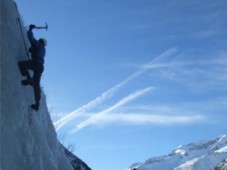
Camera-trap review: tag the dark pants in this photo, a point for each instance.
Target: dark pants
(35, 80)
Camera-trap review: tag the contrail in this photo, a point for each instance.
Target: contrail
(107, 94)
(143, 119)
(99, 115)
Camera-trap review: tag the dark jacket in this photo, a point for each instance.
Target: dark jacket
(37, 49)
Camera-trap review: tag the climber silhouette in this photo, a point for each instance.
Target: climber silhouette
(36, 64)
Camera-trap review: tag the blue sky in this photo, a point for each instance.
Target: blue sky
(127, 80)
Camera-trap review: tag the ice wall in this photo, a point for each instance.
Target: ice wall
(24, 145)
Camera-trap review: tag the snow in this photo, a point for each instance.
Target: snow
(28, 140)
(222, 165)
(203, 155)
(224, 149)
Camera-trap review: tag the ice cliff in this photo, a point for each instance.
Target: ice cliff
(28, 140)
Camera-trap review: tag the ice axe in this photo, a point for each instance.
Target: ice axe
(42, 27)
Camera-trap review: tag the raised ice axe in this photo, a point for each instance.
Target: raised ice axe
(42, 27)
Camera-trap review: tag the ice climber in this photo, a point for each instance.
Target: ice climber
(36, 64)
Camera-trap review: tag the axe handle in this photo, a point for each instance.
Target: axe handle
(41, 27)
(44, 27)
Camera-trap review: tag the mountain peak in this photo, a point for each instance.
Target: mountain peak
(206, 154)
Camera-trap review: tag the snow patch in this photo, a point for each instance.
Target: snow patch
(194, 156)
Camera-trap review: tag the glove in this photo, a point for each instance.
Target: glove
(31, 26)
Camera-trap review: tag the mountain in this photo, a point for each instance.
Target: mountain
(203, 155)
(28, 140)
(76, 162)
(222, 165)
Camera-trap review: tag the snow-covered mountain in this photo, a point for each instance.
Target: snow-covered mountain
(28, 140)
(203, 155)
(222, 165)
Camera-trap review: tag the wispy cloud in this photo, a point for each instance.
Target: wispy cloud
(181, 68)
(99, 116)
(107, 94)
(195, 72)
(156, 114)
(147, 119)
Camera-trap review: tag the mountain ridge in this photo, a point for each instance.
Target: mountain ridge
(202, 155)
